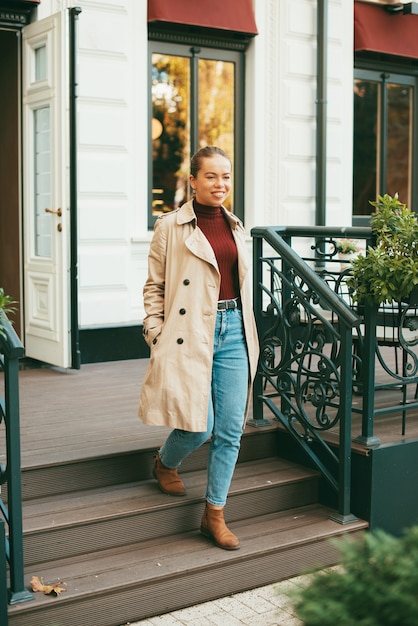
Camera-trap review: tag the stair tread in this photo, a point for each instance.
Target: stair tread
(126, 499)
(79, 445)
(152, 560)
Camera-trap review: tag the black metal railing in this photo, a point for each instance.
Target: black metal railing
(11, 351)
(309, 336)
(395, 326)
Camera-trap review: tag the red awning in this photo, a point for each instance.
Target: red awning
(235, 15)
(378, 30)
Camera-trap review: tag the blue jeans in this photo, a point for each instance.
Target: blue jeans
(227, 402)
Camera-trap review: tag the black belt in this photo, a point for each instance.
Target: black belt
(225, 305)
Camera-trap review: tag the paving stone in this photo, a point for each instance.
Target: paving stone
(274, 618)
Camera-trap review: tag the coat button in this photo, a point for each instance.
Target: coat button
(182, 311)
(180, 340)
(186, 281)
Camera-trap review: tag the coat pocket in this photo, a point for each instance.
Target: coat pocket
(151, 334)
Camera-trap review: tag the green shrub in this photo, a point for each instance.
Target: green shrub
(377, 584)
(389, 269)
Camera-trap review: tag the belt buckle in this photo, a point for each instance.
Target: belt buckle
(228, 305)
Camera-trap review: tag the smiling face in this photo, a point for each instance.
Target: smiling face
(212, 182)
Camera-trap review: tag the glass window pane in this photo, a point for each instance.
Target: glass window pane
(170, 131)
(399, 151)
(365, 149)
(42, 180)
(40, 63)
(216, 107)
(196, 100)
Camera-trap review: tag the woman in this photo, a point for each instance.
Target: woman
(200, 327)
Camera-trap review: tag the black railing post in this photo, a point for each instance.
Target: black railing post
(367, 374)
(344, 515)
(3, 577)
(17, 591)
(12, 350)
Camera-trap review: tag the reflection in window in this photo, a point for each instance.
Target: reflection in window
(216, 108)
(42, 179)
(175, 114)
(171, 131)
(399, 153)
(382, 142)
(366, 99)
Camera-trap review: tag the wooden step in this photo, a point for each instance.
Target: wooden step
(74, 524)
(126, 551)
(129, 463)
(160, 575)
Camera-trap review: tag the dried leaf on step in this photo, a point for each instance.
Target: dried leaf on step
(38, 585)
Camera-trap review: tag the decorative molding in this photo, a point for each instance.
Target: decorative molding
(15, 17)
(198, 38)
(393, 65)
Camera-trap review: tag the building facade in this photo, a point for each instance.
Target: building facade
(107, 99)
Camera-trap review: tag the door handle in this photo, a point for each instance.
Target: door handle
(54, 211)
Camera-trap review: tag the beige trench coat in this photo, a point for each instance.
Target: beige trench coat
(180, 300)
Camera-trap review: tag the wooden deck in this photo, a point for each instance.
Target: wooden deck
(68, 415)
(71, 414)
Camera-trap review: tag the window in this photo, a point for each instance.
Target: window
(42, 180)
(40, 63)
(385, 129)
(196, 99)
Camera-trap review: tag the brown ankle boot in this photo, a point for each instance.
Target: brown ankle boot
(213, 526)
(168, 479)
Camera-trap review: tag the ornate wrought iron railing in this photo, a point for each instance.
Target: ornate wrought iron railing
(309, 336)
(389, 326)
(11, 351)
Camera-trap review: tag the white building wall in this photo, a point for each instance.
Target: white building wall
(340, 113)
(281, 114)
(280, 137)
(112, 131)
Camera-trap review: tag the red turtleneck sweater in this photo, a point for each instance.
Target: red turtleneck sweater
(216, 229)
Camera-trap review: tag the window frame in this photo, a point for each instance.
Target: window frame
(234, 54)
(384, 71)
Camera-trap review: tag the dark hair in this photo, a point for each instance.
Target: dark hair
(207, 151)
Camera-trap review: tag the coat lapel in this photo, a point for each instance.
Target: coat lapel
(200, 247)
(196, 242)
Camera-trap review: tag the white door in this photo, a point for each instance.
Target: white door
(45, 194)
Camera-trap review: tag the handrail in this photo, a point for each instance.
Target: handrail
(271, 236)
(336, 232)
(306, 338)
(11, 350)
